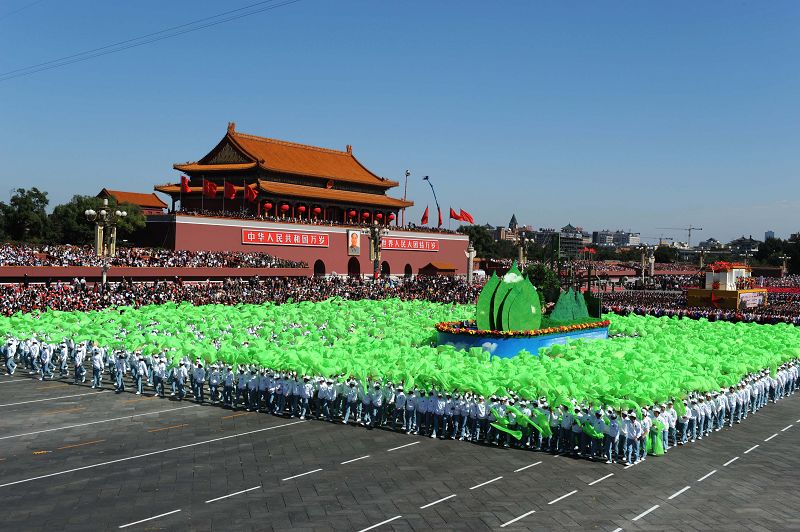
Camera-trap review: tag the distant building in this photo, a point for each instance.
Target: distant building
(505, 233)
(513, 225)
(768, 235)
(743, 245)
(794, 237)
(604, 238)
(624, 239)
(571, 239)
(711, 243)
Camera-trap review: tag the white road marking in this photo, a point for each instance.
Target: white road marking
(401, 447)
(232, 494)
(517, 519)
(145, 455)
(527, 466)
(701, 479)
(54, 398)
(96, 422)
(644, 513)
(771, 437)
(678, 493)
(437, 502)
(601, 479)
(381, 523)
(487, 482)
(751, 449)
(15, 380)
(354, 459)
(784, 429)
(573, 492)
(150, 518)
(732, 460)
(302, 474)
(618, 529)
(628, 466)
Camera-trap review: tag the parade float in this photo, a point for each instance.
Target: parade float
(727, 285)
(509, 320)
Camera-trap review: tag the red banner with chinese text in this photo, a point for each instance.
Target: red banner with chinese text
(409, 244)
(285, 238)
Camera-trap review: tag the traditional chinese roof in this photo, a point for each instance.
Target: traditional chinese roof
(325, 194)
(146, 201)
(240, 151)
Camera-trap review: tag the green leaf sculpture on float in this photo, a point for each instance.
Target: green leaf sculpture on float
(571, 306)
(510, 304)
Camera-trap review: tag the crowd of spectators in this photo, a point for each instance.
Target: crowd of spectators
(79, 295)
(66, 255)
(308, 220)
(782, 308)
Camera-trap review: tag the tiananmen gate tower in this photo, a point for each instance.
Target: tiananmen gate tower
(297, 202)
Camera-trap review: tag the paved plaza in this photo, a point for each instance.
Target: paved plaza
(73, 458)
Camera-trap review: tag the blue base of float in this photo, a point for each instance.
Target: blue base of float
(510, 347)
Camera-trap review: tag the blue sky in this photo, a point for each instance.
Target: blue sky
(633, 115)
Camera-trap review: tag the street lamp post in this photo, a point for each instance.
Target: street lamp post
(105, 232)
(376, 233)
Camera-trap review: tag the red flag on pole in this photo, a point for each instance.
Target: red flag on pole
(440, 216)
(209, 189)
(251, 193)
(467, 217)
(424, 220)
(454, 215)
(185, 185)
(230, 191)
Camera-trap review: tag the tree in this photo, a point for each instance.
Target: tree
(505, 249)
(70, 226)
(545, 280)
(666, 254)
(3, 233)
(25, 217)
(481, 240)
(770, 250)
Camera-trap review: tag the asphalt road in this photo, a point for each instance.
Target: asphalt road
(73, 458)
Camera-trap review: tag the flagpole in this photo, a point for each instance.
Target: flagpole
(405, 191)
(435, 199)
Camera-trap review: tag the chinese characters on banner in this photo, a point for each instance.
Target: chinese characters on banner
(409, 244)
(285, 238)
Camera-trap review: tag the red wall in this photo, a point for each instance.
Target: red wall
(222, 234)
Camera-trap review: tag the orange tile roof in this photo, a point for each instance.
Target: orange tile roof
(293, 158)
(443, 266)
(325, 194)
(195, 167)
(150, 200)
(175, 189)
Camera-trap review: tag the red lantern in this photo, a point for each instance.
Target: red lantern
(317, 210)
(391, 217)
(301, 209)
(365, 214)
(379, 216)
(284, 207)
(352, 214)
(268, 205)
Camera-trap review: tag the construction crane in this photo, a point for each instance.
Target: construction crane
(687, 229)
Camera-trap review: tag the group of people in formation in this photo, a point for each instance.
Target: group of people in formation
(587, 430)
